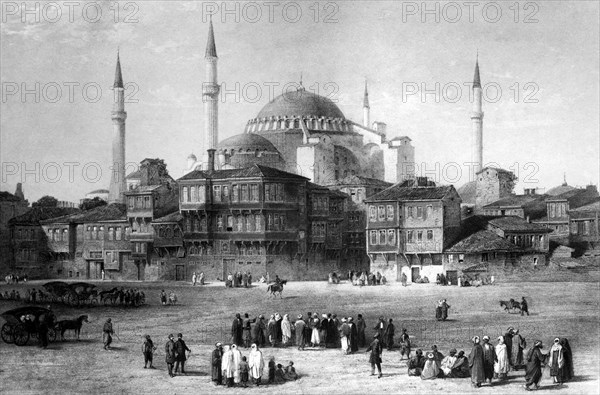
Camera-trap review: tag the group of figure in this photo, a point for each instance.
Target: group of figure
(366, 278)
(131, 297)
(13, 295)
(170, 299)
(231, 368)
(238, 280)
(198, 278)
(15, 279)
(176, 353)
(441, 310)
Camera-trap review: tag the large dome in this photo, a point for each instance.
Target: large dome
(301, 103)
(247, 142)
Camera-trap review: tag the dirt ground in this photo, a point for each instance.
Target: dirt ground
(204, 316)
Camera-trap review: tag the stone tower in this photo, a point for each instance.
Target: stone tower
(477, 124)
(210, 96)
(366, 109)
(117, 180)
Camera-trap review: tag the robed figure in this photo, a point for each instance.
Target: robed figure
(476, 363)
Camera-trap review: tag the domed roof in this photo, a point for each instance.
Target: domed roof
(301, 103)
(192, 156)
(247, 141)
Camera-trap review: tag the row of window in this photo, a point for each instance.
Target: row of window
(58, 234)
(319, 229)
(139, 202)
(583, 227)
(383, 237)
(388, 237)
(273, 192)
(381, 213)
(557, 210)
(26, 254)
(320, 203)
(526, 240)
(225, 248)
(168, 232)
(113, 233)
(421, 212)
(24, 234)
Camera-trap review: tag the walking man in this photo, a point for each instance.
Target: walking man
(524, 307)
(476, 363)
(170, 354)
(535, 360)
(489, 358)
(361, 326)
(148, 349)
(107, 332)
(237, 330)
(405, 344)
(389, 335)
(375, 357)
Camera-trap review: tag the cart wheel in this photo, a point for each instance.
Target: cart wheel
(52, 335)
(20, 335)
(7, 334)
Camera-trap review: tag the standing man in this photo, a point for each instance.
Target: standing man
(489, 358)
(45, 322)
(476, 363)
(148, 349)
(215, 362)
(508, 341)
(353, 335)
(170, 354)
(300, 326)
(361, 326)
(405, 344)
(518, 345)
(107, 332)
(180, 350)
(389, 335)
(403, 279)
(535, 360)
(246, 324)
(194, 279)
(445, 306)
(245, 280)
(524, 307)
(237, 330)
(375, 358)
(345, 336)
(380, 328)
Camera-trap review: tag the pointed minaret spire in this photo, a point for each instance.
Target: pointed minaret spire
(366, 108)
(477, 123)
(211, 48)
(118, 76)
(210, 96)
(366, 97)
(565, 179)
(476, 79)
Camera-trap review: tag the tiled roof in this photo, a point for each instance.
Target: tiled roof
(134, 174)
(398, 192)
(513, 200)
(499, 170)
(248, 172)
(483, 241)
(358, 180)
(595, 206)
(37, 215)
(110, 212)
(516, 224)
(172, 217)
(559, 190)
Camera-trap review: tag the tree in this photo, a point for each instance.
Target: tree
(88, 204)
(46, 201)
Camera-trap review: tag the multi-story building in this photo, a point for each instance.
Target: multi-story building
(29, 243)
(11, 206)
(559, 206)
(408, 229)
(584, 225)
(529, 206)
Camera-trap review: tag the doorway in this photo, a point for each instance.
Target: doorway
(452, 277)
(415, 273)
(179, 273)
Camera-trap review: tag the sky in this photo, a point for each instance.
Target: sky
(539, 66)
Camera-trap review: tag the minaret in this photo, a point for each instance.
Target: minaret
(210, 94)
(477, 122)
(117, 180)
(366, 108)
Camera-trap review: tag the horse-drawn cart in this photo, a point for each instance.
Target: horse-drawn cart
(22, 323)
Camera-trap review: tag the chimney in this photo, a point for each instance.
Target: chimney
(211, 160)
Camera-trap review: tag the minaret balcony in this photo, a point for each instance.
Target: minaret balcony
(210, 89)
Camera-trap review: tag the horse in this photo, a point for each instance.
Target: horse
(510, 305)
(73, 325)
(276, 288)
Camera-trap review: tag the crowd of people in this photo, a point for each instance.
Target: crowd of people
(238, 280)
(366, 278)
(12, 295)
(230, 368)
(170, 299)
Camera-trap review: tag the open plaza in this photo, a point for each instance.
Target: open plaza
(204, 315)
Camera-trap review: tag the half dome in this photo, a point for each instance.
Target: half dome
(247, 141)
